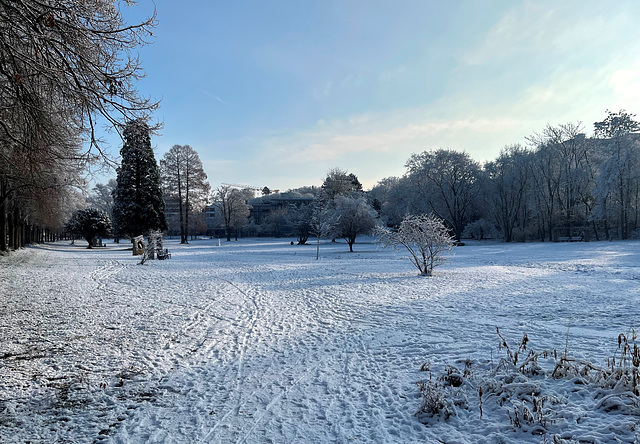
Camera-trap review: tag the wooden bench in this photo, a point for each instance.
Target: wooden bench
(569, 238)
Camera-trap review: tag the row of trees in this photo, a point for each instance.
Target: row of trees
(64, 67)
(136, 200)
(564, 184)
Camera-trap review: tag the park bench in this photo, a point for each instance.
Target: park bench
(569, 238)
(164, 254)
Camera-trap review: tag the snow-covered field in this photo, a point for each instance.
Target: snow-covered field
(256, 341)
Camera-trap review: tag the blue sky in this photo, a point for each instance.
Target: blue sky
(275, 93)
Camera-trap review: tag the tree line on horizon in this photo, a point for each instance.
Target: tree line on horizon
(67, 67)
(563, 185)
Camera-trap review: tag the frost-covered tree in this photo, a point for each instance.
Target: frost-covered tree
(562, 177)
(353, 216)
(138, 205)
(447, 181)
(618, 183)
(425, 237)
(378, 196)
(299, 218)
(507, 185)
(402, 199)
(101, 196)
(185, 182)
(89, 223)
(322, 224)
(338, 183)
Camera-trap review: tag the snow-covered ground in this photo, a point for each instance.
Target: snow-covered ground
(256, 341)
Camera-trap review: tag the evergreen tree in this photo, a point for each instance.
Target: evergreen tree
(89, 223)
(138, 205)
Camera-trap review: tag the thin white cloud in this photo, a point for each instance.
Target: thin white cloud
(384, 141)
(213, 96)
(528, 24)
(571, 62)
(550, 28)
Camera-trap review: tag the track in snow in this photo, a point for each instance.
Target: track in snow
(258, 341)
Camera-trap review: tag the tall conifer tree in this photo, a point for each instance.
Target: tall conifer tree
(138, 205)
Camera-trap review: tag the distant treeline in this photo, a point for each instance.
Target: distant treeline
(563, 186)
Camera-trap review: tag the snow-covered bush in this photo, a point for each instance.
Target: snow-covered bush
(424, 236)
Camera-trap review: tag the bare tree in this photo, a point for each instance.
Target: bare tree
(232, 207)
(74, 55)
(448, 181)
(508, 182)
(64, 65)
(424, 236)
(185, 181)
(562, 177)
(322, 224)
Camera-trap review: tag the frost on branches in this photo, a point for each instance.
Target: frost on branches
(424, 236)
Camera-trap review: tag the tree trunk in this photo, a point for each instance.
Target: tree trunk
(186, 215)
(21, 234)
(183, 236)
(13, 232)
(3, 224)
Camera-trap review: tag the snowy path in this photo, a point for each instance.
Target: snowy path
(257, 342)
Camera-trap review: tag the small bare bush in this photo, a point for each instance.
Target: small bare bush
(424, 236)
